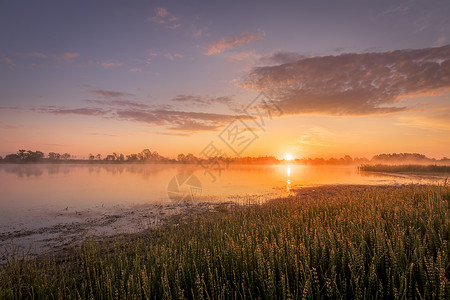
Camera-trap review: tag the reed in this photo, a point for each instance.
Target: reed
(351, 243)
(406, 168)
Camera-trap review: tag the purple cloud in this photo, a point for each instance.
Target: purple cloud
(110, 94)
(353, 84)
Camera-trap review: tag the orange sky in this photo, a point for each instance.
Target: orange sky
(300, 135)
(356, 78)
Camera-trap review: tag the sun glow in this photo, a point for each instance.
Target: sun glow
(288, 156)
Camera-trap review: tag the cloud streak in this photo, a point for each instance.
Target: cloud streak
(131, 111)
(281, 57)
(69, 55)
(118, 102)
(11, 64)
(231, 42)
(164, 17)
(33, 54)
(110, 64)
(85, 111)
(353, 84)
(110, 94)
(171, 56)
(197, 100)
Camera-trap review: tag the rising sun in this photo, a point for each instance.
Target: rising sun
(288, 156)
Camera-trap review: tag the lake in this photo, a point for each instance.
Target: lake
(45, 201)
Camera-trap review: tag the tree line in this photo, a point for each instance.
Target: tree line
(33, 156)
(147, 156)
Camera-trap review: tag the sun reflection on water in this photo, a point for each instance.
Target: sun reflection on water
(288, 181)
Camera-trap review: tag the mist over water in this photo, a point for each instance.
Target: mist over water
(47, 205)
(83, 186)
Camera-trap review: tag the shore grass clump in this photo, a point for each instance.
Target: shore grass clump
(444, 169)
(326, 243)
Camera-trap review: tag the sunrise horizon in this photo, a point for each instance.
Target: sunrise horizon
(251, 149)
(180, 78)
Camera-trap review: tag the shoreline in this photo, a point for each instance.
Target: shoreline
(76, 226)
(314, 241)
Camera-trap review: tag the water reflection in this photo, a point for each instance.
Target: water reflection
(86, 185)
(144, 170)
(35, 193)
(288, 181)
(22, 170)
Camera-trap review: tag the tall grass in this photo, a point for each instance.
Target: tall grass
(406, 168)
(359, 243)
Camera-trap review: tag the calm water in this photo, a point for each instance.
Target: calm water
(42, 202)
(25, 187)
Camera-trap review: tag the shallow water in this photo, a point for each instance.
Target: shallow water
(41, 201)
(27, 187)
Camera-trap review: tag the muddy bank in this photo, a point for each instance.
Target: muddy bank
(57, 230)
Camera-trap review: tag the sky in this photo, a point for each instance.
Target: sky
(238, 78)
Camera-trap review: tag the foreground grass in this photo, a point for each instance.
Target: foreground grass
(348, 242)
(406, 168)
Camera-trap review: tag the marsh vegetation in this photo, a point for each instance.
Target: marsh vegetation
(325, 243)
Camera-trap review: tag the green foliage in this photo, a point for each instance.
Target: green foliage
(351, 243)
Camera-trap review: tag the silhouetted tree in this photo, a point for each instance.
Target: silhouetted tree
(145, 155)
(132, 157)
(110, 157)
(116, 156)
(348, 159)
(400, 157)
(12, 158)
(191, 159)
(22, 154)
(65, 156)
(31, 156)
(361, 160)
(91, 156)
(333, 161)
(181, 158)
(54, 156)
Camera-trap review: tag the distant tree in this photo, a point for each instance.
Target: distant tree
(116, 156)
(30, 156)
(145, 154)
(181, 158)
(22, 154)
(191, 159)
(332, 161)
(54, 156)
(91, 156)
(12, 158)
(132, 157)
(361, 160)
(155, 157)
(98, 156)
(348, 159)
(110, 157)
(121, 157)
(65, 156)
(400, 157)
